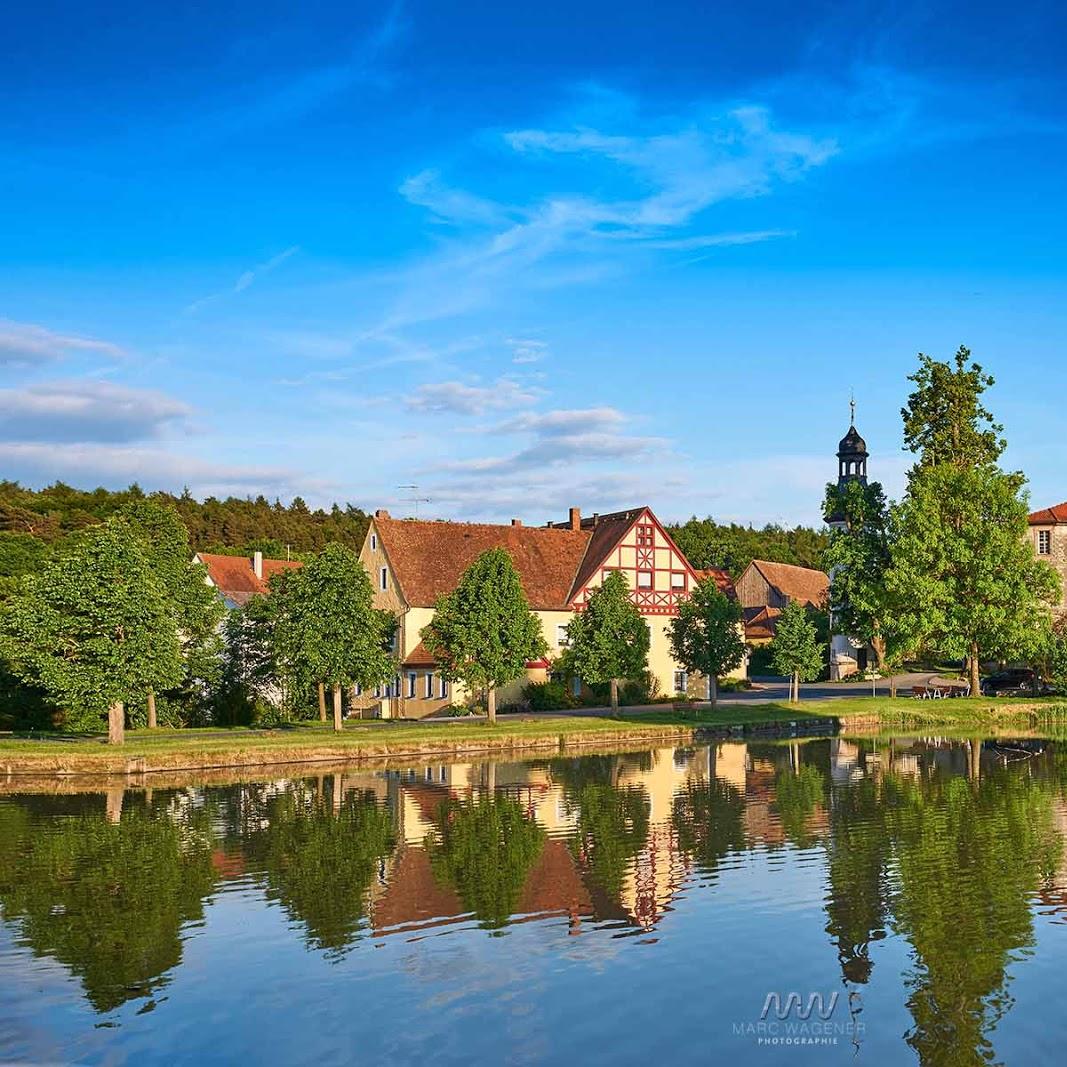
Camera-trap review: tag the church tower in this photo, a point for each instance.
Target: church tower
(852, 454)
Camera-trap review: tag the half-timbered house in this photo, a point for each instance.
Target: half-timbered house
(412, 562)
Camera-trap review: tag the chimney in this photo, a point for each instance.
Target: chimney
(576, 518)
(381, 513)
(516, 522)
(257, 564)
(596, 517)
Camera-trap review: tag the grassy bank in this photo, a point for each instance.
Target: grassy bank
(160, 750)
(173, 750)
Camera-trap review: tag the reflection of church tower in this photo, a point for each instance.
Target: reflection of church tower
(847, 656)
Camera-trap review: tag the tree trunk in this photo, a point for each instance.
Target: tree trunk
(322, 702)
(975, 679)
(113, 804)
(974, 759)
(490, 703)
(796, 687)
(892, 686)
(615, 697)
(713, 690)
(878, 644)
(151, 709)
(336, 794)
(337, 707)
(116, 723)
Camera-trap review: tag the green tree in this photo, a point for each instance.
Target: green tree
(945, 420)
(196, 605)
(962, 563)
(249, 668)
(326, 627)
(706, 634)
(609, 639)
(483, 633)
(484, 848)
(795, 649)
(93, 628)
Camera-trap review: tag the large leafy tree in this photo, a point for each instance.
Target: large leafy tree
(326, 628)
(609, 639)
(945, 420)
(795, 650)
(706, 634)
(483, 633)
(93, 628)
(858, 559)
(197, 608)
(962, 563)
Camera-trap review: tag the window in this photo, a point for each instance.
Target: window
(374, 542)
(562, 640)
(681, 682)
(383, 579)
(429, 685)
(357, 690)
(645, 538)
(644, 579)
(443, 691)
(1044, 542)
(412, 683)
(576, 686)
(678, 580)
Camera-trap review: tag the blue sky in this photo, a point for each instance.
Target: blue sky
(523, 257)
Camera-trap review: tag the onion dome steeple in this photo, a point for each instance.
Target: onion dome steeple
(852, 453)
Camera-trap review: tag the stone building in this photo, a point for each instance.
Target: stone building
(1048, 533)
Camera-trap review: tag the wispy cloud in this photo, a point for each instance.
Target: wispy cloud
(244, 280)
(459, 398)
(24, 344)
(527, 350)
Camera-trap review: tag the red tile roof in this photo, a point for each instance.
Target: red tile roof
(761, 623)
(722, 580)
(802, 584)
(234, 577)
(428, 558)
(1049, 516)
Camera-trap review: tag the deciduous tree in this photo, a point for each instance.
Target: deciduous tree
(608, 639)
(326, 628)
(93, 628)
(483, 633)
(706, 634)
(795, 649)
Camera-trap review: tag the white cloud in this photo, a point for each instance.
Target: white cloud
(25, 344)
(458, 398)
(84, 410)
(719, 240)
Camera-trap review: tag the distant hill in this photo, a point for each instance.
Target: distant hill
(32, 521)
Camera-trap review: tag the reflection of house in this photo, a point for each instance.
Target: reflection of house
(239, 578)
(412, 563)
(1048, 531)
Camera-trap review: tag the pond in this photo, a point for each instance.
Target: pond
(825, 901)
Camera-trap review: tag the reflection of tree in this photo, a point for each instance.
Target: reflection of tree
(970, 856)
(611, 821)
(319, 861)
(857, 853)
(106, 899)
(484, 848)
(797, 794)
(709, 820)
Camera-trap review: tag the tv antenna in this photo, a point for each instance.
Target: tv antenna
(415, 500)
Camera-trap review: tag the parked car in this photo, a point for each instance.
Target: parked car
(1016, 681)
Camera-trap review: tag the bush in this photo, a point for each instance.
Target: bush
(734, 685)
(548, 696)
(268, 716)
(643, 690)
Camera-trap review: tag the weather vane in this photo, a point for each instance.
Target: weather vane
(851, 408)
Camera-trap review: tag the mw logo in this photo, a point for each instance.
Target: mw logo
(794, 1001)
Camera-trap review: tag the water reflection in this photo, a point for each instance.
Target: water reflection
(947, 848)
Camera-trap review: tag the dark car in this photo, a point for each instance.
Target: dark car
(1015, 680)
